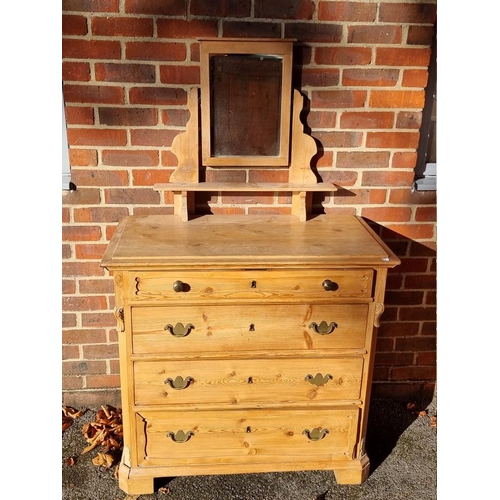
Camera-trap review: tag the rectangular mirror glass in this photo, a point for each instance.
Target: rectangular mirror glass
(245, 102)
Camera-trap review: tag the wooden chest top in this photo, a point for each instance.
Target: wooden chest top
(153, 242)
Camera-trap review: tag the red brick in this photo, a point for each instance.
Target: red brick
(68, 320)
(100, 177)
(421, 282)
(79, 115)
(363, 159)
(96, 286)
(242, 29)
(82, 367)
(182, 75)
(155, 51)
(181, 28)
(418, 13)
(390, 214)
(132, 196)
(134, 117)
(81, 233)
(404, 160)
(264, 176)
(153, 210)
(83, 157)
(420, 35)
(90, 49)
(325, 159)
(121, 72)
(70, 352)
(393, 358)
(150, 177)
(399, 140)
(385, 56)
(416, 344)
(68, 286)
(420, 250)
(413, 231)
(82, 269)
(347, 11)
(339, 139)
(404, 298)
(72, 383)
(429, 328)
(409, 197)
(343, 55)
(314, 32)
(91, 5)
(361, 196)
(130, 157)
(74, 25)
(66, 251)
(338, 99)
(175, 117)
(413, 265)
(398, 329)
(122, 26)
(383, 77)
(415, 78)
(93, 94)
(152, 137)
(371, 178)
(158, 96)
(90, 252)
(253, 198)
(340, 178)
(225, 8)
(385, 345)
(426, 214)
(413, 373)
(409, 119)
(324, 77)
(157, 7)
(426, 358)
(88, 336)
(225, 175)
(376, 34)
(75, 71)
(321, 119)
(285, 9)
(83, 196)
(102, 381)
(86, 303)
(397, 99)
(97, 137)
(367, 119)
(99, 214)
(100, 319)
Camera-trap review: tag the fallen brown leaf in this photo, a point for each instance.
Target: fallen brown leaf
(70, 461)
(423, 413)
(434, 421)
(69, 415)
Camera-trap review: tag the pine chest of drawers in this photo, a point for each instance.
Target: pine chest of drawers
(246, 343)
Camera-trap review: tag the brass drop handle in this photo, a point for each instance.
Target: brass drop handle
(179, 383)
(318, 379)
(180, 436)
(179, 330)
(324, 328)
(178, 286)
(330, 286)
(317, 434)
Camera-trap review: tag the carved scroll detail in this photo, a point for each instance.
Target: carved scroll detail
(120, 318)
(379, 309)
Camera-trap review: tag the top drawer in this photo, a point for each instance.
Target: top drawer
(191, 286)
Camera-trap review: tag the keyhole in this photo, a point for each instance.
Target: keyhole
(249, 429)
(254, 284)
(252, 328)
(250, 380)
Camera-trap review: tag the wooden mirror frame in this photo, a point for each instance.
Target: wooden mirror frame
(281, 48)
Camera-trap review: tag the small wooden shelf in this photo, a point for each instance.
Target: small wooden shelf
(298, 190)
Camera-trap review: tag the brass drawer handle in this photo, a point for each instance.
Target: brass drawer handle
(324, 328)
(316, 434)
(318, 379)
(178, 286)
(330, 286)
(180, 436)
(179, 383)
(179, 330)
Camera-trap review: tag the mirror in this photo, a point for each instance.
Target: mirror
(245, 102)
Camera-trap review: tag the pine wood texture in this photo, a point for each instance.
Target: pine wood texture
(246, 344)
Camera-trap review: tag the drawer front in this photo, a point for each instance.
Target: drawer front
(243, 437)
(258, 381)
(259, 285)
(222, 329)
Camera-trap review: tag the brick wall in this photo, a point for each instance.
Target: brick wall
(363, 66)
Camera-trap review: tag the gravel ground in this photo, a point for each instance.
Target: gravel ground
(402, 447)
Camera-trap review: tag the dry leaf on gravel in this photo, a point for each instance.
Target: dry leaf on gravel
(69, 415)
